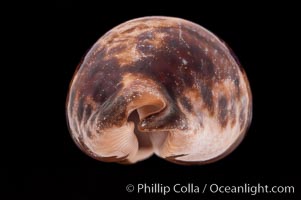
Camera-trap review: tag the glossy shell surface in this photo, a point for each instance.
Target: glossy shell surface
(159, 85)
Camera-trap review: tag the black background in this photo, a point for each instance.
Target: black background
(48, 164)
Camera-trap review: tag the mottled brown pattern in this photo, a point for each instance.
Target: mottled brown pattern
(174, 54)
(186, 103)
(223, 111)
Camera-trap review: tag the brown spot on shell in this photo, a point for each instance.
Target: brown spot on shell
(223, 111)
(113, 112)
(206, 93)
(186, 103)
(242, 118)
(233, 112)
